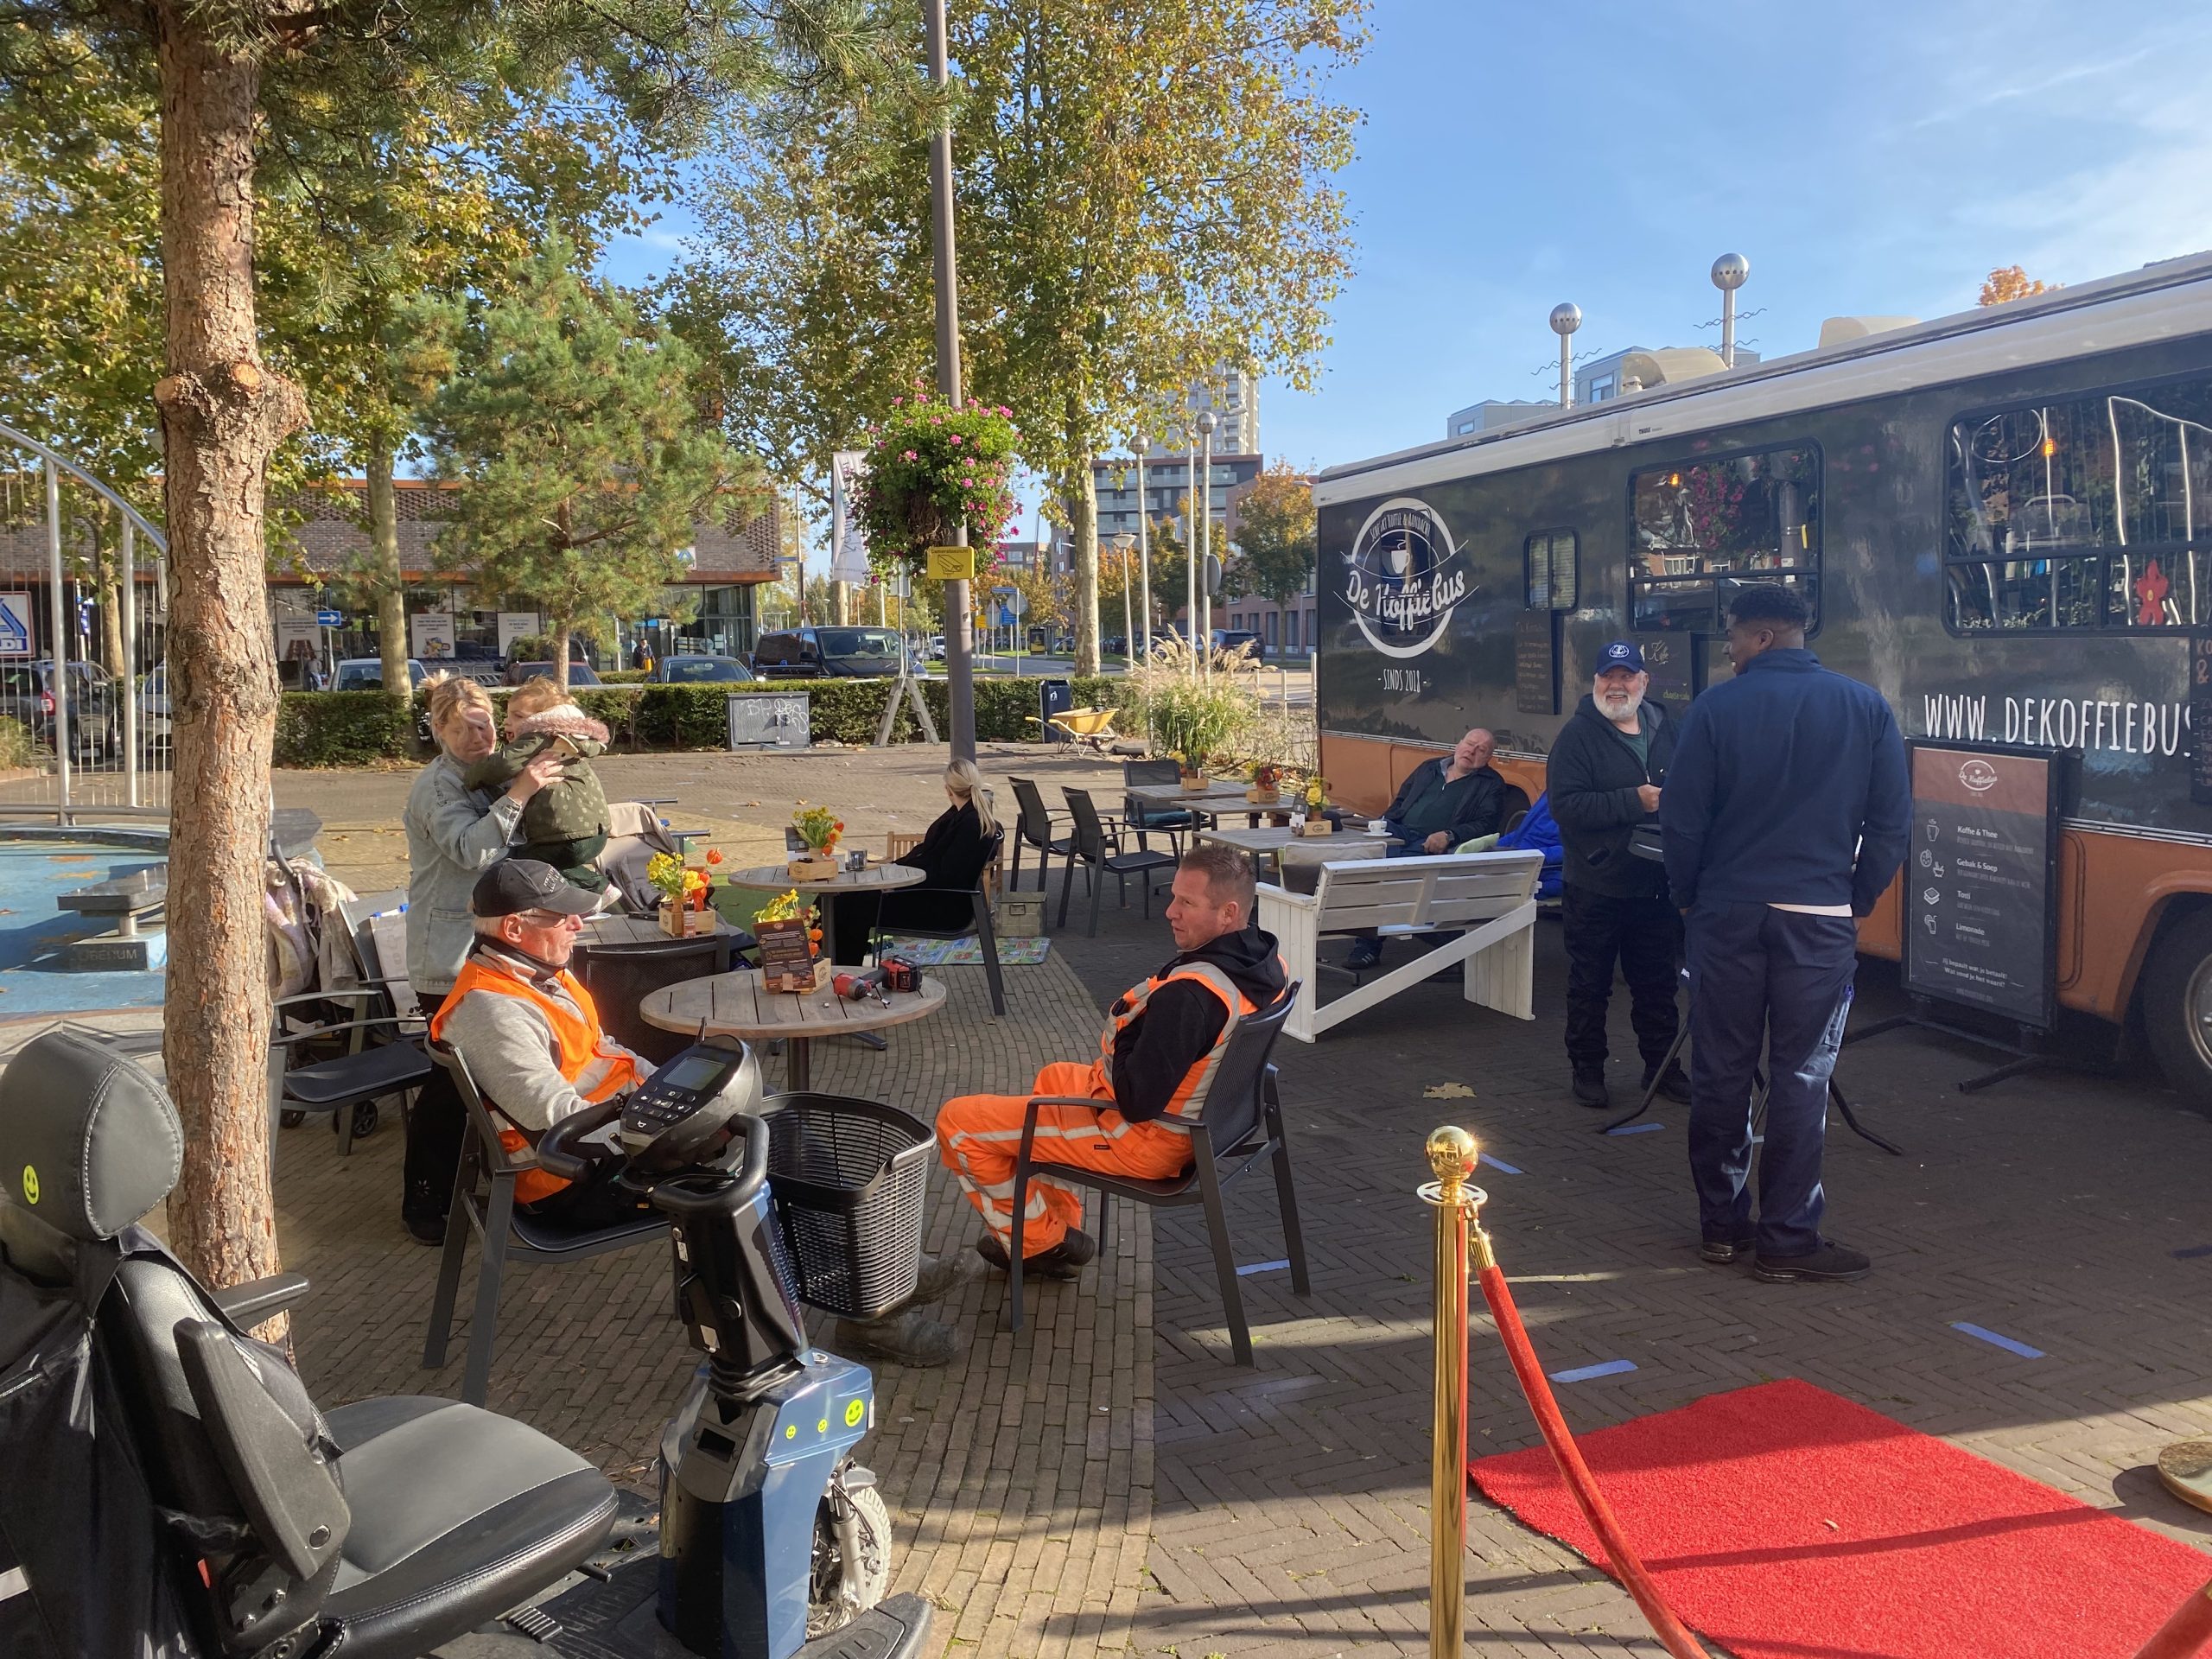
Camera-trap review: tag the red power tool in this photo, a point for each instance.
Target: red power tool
(857, 988)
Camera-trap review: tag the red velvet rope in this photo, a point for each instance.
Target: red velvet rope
(1670, 1630)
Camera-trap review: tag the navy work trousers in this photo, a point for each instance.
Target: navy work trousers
(1644, 936)
(1780, 978)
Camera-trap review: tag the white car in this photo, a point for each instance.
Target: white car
(935, 650)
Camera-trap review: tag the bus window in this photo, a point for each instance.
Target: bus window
(1549, 560)
(1754, 517)
(2082, 513)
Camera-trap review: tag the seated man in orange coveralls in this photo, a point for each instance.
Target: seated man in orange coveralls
(1161, 1042)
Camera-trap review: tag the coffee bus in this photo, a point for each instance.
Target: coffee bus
(1992, 516)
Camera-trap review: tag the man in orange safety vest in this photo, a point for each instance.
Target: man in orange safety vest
(1162, 1041)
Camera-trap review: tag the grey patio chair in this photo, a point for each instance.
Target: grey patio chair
(1099, 851)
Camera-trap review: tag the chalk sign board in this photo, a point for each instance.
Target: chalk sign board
(1981, 878)
(2199, 717)
(1536, 663)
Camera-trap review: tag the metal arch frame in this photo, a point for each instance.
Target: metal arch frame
(54, 457)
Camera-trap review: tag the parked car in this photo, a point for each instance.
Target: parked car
(1232, 640)
(935, 649)
(95, 714)
(366, 674)
(817, 654)
(154, 727)
(579, 673)
(699, 669)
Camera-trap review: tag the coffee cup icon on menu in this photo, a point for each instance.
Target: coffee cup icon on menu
(1932, 830)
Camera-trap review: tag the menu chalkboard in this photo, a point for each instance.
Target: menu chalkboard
(1536, 663)
(1980, 879)
(2199, 719)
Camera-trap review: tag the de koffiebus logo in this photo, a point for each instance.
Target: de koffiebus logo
(1404, 577)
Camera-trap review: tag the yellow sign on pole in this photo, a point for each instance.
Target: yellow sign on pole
(952, 563)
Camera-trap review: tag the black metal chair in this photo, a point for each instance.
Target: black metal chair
(1239, 1123)
(1140, 817)
(1099, 851)
(350, 1063)
(1034, 828)
(484, 1202)
(619, 978)
(898, 913)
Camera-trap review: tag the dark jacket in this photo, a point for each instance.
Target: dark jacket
(1477, 802)
(950, 858)
(572, 808)
(1788, 787)
(1592, 776)
(1154, 1052)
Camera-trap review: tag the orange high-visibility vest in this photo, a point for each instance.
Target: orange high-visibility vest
(1190, 1094)
(590, 1065)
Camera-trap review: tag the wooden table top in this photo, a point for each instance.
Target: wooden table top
(1344, 844)
(736, 1005)
(876, 878)
(613, 931)
(1217, 790)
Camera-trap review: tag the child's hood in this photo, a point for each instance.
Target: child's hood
(562, 719)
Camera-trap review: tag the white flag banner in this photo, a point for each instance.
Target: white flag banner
(847, 553)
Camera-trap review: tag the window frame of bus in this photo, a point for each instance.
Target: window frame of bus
(1550, 539)
(1804, 579)
(2077, 555)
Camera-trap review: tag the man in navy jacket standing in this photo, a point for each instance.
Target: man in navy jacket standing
(1785, 815)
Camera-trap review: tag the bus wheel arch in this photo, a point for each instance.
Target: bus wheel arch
(2173, 996)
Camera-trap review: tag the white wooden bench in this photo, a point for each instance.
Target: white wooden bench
(1490, 895)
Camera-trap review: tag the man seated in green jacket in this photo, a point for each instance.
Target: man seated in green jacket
(1454, 797)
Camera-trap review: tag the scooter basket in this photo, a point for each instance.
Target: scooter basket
(848, 1178)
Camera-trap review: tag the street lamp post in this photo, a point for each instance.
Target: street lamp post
(1730, 271)
(1566, 319)
(1144, 557)
(1190, 560)
(1205, 506)
(1128, 629)
(959, 610)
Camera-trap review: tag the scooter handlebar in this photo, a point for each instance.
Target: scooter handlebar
(699, 1191)
(559, 1149)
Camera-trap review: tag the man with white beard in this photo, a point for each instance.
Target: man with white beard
(1604, 776)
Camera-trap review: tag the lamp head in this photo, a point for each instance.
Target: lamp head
(1206, 423)
(1566, 318)
(1731, 272)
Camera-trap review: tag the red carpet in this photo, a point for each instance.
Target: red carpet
(1784, 1523)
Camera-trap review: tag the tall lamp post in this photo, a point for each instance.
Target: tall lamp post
(1122, 541)
(1566, 319)
(959, 610)
(1730, 271)
(1191, 559)
(1203, 500)
(1144, 560)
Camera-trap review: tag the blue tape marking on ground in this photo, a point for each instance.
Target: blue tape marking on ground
(1261, 1267)
(1502, 1167)
(1584, 1373)
(1636, 1128)
(2005, 1342)
(2193, 1252)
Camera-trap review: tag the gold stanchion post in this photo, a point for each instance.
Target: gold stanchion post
(1452, 1154)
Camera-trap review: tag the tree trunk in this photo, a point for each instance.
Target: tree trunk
(560, 637)
(842, 593)
(107, 561)
(388, 581)
(222, 416)
(1082, 515)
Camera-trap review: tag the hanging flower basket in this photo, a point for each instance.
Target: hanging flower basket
(932, 468)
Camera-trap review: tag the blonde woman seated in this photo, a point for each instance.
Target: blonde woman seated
(951, 856)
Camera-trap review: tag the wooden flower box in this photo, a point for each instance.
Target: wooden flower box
(1259, 796)
(684, 924)
(1317, 827)
(812, 867)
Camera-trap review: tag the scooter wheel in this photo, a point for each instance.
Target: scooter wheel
(841, 1589)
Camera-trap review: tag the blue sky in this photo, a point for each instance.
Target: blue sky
(1877, 159)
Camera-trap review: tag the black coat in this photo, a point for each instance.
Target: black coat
(1592, 776)
(951, 855)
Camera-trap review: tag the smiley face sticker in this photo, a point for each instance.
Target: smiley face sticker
(853, 1412)
(30, 1185)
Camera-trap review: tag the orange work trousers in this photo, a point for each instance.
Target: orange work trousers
(979, 1137)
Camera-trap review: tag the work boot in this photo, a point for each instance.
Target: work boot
(1364, 954)
(1722, 1252)
(1590, 1086)
(1831, 1264)
(425, 1230)
(1066, 1260)
(938, 1275)
(908, 1337)
(1674, 1086)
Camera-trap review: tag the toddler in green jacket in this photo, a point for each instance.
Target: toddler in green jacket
(564, 824)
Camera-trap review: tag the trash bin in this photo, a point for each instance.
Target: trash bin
(1054, 697)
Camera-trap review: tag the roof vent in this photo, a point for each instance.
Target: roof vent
(1841, 331)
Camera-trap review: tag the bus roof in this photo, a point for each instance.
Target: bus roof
(2166, 299)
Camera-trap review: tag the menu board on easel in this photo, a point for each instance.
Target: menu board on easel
(787, 958)
(1981, 881)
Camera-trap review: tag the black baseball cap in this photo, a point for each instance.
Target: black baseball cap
(514, 885)
(1620, 654)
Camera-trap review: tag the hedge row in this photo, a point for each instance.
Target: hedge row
(351, 728)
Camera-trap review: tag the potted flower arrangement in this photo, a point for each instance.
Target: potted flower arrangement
(1266, 788)
(931, 470)
(1315, 802)
(685, 913)
(791, 945)
(818, 829)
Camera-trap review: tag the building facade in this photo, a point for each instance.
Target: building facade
(1166, 481)
(1235, 407)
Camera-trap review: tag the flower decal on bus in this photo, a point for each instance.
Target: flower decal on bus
(1404, 577)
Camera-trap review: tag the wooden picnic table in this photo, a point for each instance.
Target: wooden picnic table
(1217, 793)
(613, 931)
(1281, 842)
(738, 1004)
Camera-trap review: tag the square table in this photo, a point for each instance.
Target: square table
(1281, 843)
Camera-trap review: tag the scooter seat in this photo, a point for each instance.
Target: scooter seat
(458, 1514)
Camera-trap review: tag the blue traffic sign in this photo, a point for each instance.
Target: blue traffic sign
(330, 618)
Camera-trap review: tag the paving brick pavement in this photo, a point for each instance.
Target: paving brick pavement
(1291, 1516)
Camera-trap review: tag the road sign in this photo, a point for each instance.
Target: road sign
(1016, 601)
(15, 625)
(330, 618)
(952, 563)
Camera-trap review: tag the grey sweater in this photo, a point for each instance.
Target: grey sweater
(513, 1053)
(454, 834)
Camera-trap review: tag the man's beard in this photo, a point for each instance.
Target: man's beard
(1623, 713)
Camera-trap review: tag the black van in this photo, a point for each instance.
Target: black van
(828, 652)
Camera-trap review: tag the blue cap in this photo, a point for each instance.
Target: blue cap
(1621, 654)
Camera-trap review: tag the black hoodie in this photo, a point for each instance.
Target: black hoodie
(1156, 1052)
(1592, 776)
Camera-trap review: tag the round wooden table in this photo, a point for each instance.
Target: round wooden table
(738, 1004)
